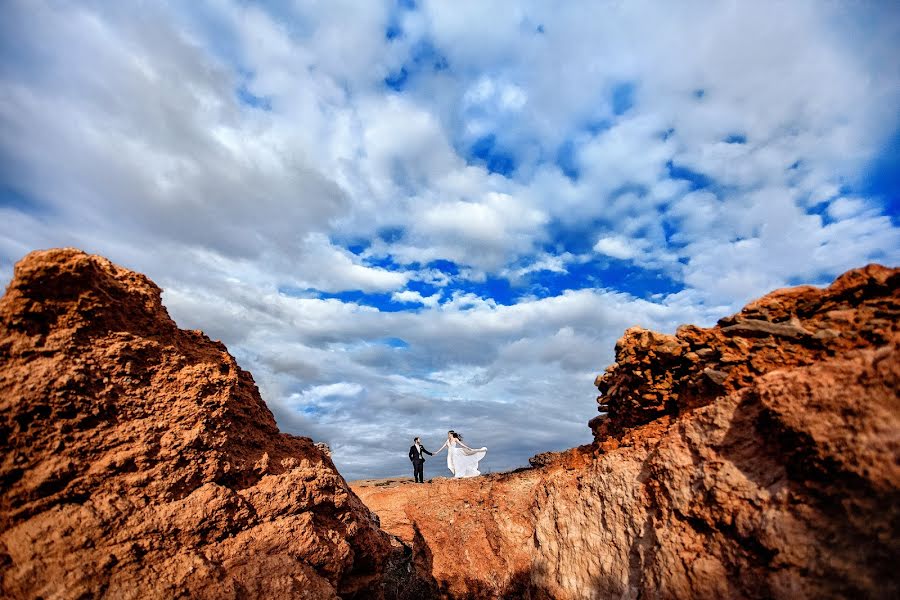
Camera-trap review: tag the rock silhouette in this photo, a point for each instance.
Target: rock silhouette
(756, 459)
(139, 461)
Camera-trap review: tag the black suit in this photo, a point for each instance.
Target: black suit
(418, 461)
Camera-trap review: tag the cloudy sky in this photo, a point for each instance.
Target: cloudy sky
(404, 217)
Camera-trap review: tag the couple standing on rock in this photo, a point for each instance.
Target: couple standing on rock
(461, 460)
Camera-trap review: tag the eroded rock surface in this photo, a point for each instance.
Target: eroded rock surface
(657, 374)
(756, 459)
(139, 461)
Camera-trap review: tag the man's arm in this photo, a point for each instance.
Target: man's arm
(412, 450)
(426, 451)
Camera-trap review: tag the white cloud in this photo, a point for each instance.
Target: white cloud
(467, 364)
(490, 222)
(487, 102)
(316, 394)
(231, 151)
(325, 267)
(618, 247)
(413, 297)
(845, 208)
(485, 233)
(546, 263)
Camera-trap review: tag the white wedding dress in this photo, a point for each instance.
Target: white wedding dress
(463, 462)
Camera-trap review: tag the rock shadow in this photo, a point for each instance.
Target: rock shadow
(825, 505)
(407, 575)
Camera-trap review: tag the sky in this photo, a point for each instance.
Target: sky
(405, 217)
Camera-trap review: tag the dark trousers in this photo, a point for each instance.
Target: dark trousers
(417, 470)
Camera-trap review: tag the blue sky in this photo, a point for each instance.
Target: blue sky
(407, 217)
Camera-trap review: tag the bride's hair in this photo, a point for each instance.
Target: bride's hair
(456, 435)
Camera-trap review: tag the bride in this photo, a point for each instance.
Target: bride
(461, 460)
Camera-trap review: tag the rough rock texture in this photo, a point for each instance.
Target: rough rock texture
(471, 537)
(756, 459)
(657, 374)
(139, 461)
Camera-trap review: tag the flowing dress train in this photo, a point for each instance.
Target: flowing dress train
(463, 462)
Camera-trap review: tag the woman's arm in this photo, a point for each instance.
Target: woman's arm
(441, 448)
(460, 442)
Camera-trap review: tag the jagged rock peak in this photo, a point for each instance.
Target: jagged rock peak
(64, 289)
(139, 460)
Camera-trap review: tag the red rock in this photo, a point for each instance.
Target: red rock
(139, 461)
(765, 466)
(790, 327)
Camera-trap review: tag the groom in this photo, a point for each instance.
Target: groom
(416, 455)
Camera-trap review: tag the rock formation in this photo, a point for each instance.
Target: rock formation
(657, 374)
(756, 459)
(139, 461)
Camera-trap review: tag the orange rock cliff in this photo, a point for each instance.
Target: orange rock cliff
(139, 461)
(756, 459)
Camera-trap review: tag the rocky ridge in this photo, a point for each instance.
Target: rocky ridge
(657, 374)
(139, 461)
(756, 459)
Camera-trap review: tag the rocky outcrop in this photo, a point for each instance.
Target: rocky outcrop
(139, 461)
(657, 374)
(471, 538)
(756, 459)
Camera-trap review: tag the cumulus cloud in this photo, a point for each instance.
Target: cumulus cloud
(468, 364)
(410, 218)
(618, 247)
(323, 266)
(411, 297)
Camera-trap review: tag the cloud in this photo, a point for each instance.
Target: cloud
(405, 219)
(846, 208)
(618, 247)
(467, 364)
(483, 233)
(502, 96)
(312, 397)
(157, 145)
(326, 267)
(409, 296)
